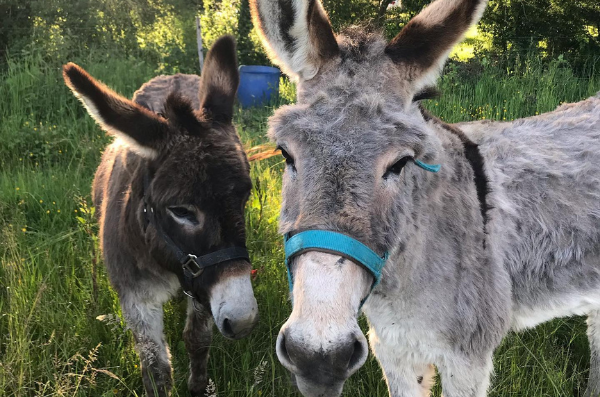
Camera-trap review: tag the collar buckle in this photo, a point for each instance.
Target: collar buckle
(192, 266)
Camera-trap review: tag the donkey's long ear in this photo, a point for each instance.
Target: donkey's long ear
(424, 43)
(220, 80)
(141, 129)
(297, 34)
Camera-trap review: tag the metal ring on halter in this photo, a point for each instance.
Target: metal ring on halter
(194, 301)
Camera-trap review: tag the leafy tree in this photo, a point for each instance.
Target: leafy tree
(163, 31)
(549, 28)
(15, 24)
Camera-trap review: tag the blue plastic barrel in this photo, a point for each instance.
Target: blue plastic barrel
(258, 85)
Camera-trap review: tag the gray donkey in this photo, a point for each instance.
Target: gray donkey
(170, 195)
(505, 236)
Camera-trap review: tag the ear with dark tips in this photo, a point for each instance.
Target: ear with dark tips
(219, 81)
(320, 31)
(424, 43)
(297, 35)
(137, 126)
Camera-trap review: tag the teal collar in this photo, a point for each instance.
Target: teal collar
(335, 243)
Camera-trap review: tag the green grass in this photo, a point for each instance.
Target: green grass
(60, 326)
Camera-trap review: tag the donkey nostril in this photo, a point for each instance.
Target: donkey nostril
(283, 349)
(227, 330)
(357, 355)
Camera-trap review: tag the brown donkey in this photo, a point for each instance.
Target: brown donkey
(170, 195)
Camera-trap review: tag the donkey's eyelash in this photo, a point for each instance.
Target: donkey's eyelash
(184, 213)
(180, 211)
(289, 160)
(397, 167)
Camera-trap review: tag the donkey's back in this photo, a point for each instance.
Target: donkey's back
(545, 191)
(153, 94)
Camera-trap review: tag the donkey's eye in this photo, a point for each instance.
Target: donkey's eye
(184, 214)
(396, 168)
(289, 160)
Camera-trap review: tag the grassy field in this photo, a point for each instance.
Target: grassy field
(61, 333)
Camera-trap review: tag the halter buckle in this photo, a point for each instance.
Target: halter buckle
(193, 259)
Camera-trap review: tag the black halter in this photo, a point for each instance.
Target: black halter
(192, 265)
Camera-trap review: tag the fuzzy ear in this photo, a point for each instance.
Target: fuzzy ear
(180, 113)
(296, 33)
(424, 43)
(141, 129)
(219, 81)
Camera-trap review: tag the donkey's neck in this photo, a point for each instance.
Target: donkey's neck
(474, 157)
(453, 211)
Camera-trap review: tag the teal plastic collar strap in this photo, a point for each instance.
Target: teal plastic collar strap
(335, 243)
(428, 167)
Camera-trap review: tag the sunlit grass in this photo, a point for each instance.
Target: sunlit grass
(59, 319)
(474, 39)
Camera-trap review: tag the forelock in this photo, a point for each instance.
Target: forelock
(361, 98)
(360, 42)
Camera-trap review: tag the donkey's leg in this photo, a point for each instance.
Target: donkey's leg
(593, 387)
(409, 380)
(427, 380)
(404, 377)
(466, 378)
(197, 336)
(145, 319)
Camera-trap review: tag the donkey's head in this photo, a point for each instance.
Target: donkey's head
(352, 144)
(193, 184)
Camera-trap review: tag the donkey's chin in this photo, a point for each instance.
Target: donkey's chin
(312, 389)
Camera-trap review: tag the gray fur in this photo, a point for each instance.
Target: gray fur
(457, 279)
(154, 93)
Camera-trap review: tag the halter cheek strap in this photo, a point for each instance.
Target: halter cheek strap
(335, 243)
(193, 266)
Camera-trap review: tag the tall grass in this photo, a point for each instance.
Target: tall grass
(60, 326)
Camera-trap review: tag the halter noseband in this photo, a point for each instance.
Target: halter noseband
(340, 244)
(192, 265)
(333, 243)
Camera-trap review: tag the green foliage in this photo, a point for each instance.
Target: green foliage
(219, 17)
(15, 24)
(531, 88)
(163, 31)
(233, 17)
(548, 28)
(159, 31)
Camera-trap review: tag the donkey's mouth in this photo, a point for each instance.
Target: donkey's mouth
(228, 330)
(313, 389)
